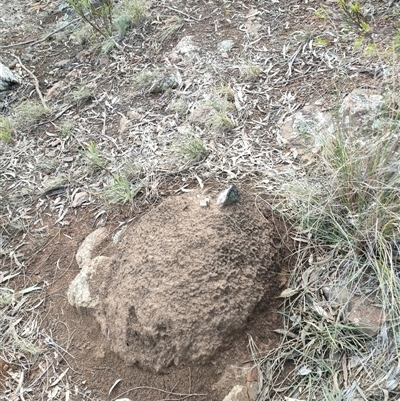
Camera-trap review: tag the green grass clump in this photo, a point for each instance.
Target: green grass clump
(193, 149)
(30, 112)
(122, 191)
(92, 154)
(6, 129)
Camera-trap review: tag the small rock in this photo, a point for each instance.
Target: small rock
(205, 202)
(185, 46)
(80, 293)
(50, 153)
(7, 78)
(252, 375)
(306, 129)
(117, 236)
(365, 315)
(168, 82)
(79, 198)
(84, 254)
(123, 124)
(228, 196)
(362, 108)
(68, 159)
(252, 390)
(238, 393)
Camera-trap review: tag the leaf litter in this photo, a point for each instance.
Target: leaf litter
(272, 72)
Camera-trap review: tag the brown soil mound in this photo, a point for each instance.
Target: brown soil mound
(183, 281)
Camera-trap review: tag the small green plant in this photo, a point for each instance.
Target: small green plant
(178, 106)
(226, 91)
(320, 12)
(321, 42)
(97, 14)
(120, 191)
(6, 129)
(371, 50)
(107, 46)
(81, 96)
(92, 154)
(396, 41)
(357, 44)
(353, 13)
(194, 149)
(121, 24)
(30, 112)
(84, 35)
(220, 121)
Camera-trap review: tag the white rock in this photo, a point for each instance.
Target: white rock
(80, 294)
(238, 393)
(84, 254)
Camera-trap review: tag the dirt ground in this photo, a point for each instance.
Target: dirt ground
(273, 68)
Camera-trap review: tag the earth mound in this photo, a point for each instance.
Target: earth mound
(183, 281)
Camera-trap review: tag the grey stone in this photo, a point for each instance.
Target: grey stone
(362, 109)
(167, 82)
(185, 46)
(306, 129)
(228, 196)
(7, 78)
(238, 393)
(81, 292)
(205, 202)
(252, 390)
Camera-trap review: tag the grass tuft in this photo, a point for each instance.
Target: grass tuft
(30, 112)
(193, 149)
(347, 215)
(6, 129)
(81, 96)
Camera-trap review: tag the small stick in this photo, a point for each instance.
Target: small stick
(183, 13)
(36, 82)
(36, 41)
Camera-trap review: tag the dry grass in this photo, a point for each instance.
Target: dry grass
(347, 215)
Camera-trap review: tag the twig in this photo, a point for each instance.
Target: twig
(160, 390)
(36, 82)
(35, 41)
(181, 12)
(56, 117)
